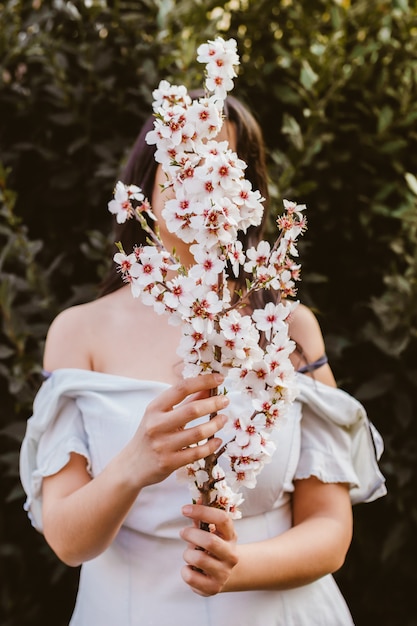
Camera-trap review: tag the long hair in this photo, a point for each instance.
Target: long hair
(141, 170)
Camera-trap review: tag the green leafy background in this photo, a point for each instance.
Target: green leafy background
(333, 84)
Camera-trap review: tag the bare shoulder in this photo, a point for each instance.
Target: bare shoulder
(104, 335)
(67, 341)
(304, 324)
(306, 332)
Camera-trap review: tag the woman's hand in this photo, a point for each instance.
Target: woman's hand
(210, 556)
(162, 442)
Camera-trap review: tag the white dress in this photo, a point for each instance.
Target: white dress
(137, 581)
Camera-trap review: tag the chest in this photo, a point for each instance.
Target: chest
(138, 346)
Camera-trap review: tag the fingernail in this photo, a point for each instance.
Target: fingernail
(219, 378)
(187, 509)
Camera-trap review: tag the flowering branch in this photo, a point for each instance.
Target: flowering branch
(213, 202)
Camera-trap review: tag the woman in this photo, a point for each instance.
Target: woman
(115, 420)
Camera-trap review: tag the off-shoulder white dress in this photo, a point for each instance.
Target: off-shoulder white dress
(136, 581)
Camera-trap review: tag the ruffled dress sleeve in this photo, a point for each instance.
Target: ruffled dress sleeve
(338, 442)
(53, 432)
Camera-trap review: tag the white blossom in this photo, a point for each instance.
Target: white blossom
(212, 203)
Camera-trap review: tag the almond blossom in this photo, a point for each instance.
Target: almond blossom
(121, 204)
(220, 58)
(271, 318)
(210, 203)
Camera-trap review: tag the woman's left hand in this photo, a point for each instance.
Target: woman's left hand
(210, 556)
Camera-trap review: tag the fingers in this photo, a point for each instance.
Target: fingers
(169, 429)
(220, 520)
(176, 394)
(184, 404)
(201, 431)
(194, 409)
(210, 556)
(177, 448)
(200, 582)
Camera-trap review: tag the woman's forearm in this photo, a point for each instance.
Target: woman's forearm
(299, 556)
(81, 524)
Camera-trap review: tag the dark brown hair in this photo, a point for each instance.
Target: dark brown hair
(141, 169)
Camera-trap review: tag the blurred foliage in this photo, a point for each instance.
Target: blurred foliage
(334, 85)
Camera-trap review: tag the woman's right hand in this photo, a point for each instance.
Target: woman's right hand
(165, 439)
